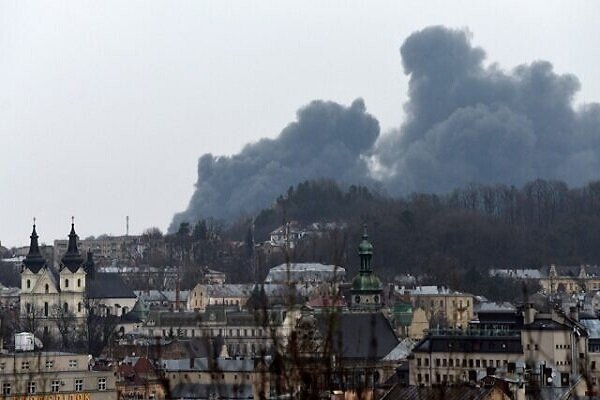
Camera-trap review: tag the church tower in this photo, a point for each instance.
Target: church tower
(39, 292)
(34, 261)
(366, 286)
(72, 277)
(34, 266)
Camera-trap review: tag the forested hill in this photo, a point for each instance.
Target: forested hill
(467, 231)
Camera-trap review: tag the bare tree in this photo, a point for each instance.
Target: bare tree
(66, 324)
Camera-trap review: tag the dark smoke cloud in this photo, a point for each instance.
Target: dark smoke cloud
(470, 123)
(465, 122)
(326, 141)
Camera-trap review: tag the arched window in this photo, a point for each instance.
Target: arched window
(28, 284)
(66, 307)
(78, 282)
(66, 283)
(47, 288)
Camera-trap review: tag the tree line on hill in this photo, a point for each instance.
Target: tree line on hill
(451, 239)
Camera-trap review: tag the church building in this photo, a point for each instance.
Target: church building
(50, 299)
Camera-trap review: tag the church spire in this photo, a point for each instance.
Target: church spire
(34, 259)
(366, 286)
(365, 251)
(72, 258)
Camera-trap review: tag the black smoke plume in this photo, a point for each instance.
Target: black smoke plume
(470, 123)
(327, 141)
(465, 122)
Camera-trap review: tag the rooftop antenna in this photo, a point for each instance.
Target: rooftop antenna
(127, 225)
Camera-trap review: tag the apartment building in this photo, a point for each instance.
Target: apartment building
(53, 376)
(550, 348)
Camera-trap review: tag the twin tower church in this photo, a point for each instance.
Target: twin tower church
(49, 297)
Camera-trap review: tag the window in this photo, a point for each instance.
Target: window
(79, 282)
(451, 362)
(419, 378)
(444, 362)
(418, 362)
(427, 362)
(101, 383)
(2, 366)
(28, 284)
(536, 347)
(55, 386)
(66, 307)
(31, 387)
(426, 378)
(24, 364)
(437, 362)
(72, 363)
(6, 389)
(79, 307)
(49, 364)
(78, 385)
(66, 283)
(478, 363)
(46, 288)
(46, 311)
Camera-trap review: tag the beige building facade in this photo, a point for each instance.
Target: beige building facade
(53, 376)
(551, 347)
(441, 305)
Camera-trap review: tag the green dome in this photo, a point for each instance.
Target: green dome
(366, 282)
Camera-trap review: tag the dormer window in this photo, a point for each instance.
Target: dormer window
(78, 282)
(66, 283)
(28, 284)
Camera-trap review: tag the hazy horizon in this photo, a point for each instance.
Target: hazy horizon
(105, 108)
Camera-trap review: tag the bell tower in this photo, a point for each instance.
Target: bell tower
(366, 286)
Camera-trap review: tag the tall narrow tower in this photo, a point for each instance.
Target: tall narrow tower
(366, 286)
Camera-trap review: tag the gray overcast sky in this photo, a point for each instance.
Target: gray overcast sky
(105, 107)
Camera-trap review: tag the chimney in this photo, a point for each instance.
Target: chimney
(529, 313)
(574, 313)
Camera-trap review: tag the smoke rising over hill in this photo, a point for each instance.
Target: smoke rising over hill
(466, 122)
(471, 123)
(327, 140)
